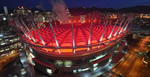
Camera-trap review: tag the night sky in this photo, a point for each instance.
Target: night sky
(45, 4)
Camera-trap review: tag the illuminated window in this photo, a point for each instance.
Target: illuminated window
(85, 69)
(79, 70)
(11, 40)
(116, 51)
(95, 68)
(59, 62)
(11, 47)
(2, 50)
(117, 45)
(4, 18)
(49, 71)
(74, 71)
(7, 49)
(98, 57)
(68, 63)
(3, 43)
(1, 35)
(6, 39)
(23, 72)
(94, 65)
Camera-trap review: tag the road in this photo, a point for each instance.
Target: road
(132, 65)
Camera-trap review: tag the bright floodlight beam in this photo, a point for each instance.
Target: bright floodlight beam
(124, 25)
(89, 40)
(34, 26)
(54, 37)
(27, 29)
(38, 33)
(25, 33)
(128, 23)
(119, 27)
(113, 29)
(73, 41)
(18, 23)
(103, 31)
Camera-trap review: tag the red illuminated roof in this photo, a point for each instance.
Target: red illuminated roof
(64, 37)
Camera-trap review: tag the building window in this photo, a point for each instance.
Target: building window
(68, 63)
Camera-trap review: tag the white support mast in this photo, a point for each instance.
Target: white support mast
(73, 41)
(55, 37)
(89, 40)
(103, 31)
(27, 29)
(113, 29)
(124, 25)
(119, 27)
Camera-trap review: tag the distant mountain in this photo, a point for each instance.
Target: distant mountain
(136, 9)
(83, 10)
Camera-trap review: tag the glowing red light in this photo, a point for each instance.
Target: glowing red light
(79, 20)
(69, 21)
(65, 39)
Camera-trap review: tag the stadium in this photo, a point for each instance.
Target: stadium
(86, 44)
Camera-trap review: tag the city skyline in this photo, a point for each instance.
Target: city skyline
(46, 4)
(74, 38)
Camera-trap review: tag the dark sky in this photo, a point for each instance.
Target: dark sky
(45, 4)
